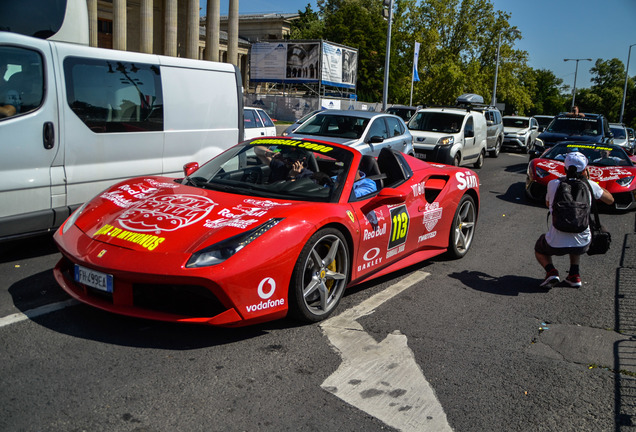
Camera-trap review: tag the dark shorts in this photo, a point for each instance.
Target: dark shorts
(542, 247)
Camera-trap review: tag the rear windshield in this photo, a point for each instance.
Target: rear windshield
(580, 126)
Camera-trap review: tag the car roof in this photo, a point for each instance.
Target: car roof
(355, 113)
(517, 117)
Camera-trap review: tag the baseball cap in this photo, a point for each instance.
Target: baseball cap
(576, 159)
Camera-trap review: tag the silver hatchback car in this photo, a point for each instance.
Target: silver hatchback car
(367, 131)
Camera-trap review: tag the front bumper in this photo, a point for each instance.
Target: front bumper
(519, 142)
(438, 153)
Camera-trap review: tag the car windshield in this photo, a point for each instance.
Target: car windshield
(515, 122)
(619, 132)
(580, 126)
(277, 168)
(436, 122)
(596, 155)
(333, 125)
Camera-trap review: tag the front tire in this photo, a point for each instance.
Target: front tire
(463, 228)
(320, 276)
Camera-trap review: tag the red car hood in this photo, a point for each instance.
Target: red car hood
(157, 214)
(600, 174)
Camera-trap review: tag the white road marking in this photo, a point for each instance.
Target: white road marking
(33, 313)
(382, 379)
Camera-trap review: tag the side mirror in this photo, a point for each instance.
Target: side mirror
(386, 196)
(376, 139)
(190, 167)
(490, 122)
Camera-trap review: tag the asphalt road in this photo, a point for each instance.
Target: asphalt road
(486, 348)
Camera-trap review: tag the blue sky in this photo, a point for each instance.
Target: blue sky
(552, 30)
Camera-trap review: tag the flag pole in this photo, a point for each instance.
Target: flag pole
(414, 75)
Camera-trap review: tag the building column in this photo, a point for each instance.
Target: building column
(212, 30)
(119, 25)
(146, 33)
(192, 41)
(232, 32)
(92, 22)
(170, 28)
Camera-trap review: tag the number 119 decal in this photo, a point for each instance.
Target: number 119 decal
(399, 226)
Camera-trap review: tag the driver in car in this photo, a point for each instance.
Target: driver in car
(288, 164)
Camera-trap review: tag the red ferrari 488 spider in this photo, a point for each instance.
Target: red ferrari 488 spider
(271, 226)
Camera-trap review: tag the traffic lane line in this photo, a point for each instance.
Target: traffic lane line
(382, 379)
(34, 313)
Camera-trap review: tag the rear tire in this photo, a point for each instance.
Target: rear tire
(463, 228)
(320, 276)
(495, 153)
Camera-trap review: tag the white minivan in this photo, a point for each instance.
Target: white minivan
(454, 135)
(75, 120)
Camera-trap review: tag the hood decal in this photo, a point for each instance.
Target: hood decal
(166, 213)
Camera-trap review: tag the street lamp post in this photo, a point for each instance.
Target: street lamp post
(576, 71)
(493, 100)
(629, 53)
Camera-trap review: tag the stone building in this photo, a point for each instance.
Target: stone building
(175, 28)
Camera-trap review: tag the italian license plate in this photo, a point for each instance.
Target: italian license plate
(94, 279)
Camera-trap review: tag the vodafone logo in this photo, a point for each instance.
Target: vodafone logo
(269, 284)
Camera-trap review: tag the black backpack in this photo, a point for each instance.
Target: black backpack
(571, 206)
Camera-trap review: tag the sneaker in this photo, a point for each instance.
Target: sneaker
(573, 280)
(551, 279)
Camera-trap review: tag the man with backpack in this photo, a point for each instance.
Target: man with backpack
(569, 199)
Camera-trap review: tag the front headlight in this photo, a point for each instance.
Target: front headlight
(449, 140)
(73, 218)
(219, 252)
(541, 173)
(625, 181)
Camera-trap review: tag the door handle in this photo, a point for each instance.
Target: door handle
(48, 135)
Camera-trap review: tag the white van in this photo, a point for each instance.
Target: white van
(451, 135)
(85, 118)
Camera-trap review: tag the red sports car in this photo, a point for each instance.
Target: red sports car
(271, 226)
(609, 165)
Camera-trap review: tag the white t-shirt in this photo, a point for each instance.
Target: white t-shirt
(559, 239)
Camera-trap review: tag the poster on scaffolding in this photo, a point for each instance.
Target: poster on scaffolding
(285, 62)
(339, 65)
(300, 62)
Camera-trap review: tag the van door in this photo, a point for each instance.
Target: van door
(471, 145)
(28, 135)
(113, 111)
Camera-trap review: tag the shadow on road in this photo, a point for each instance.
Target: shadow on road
(33, 247)
(516, 194)
(506, 285)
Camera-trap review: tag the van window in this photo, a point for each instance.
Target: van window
(21, 81)
(114, 96)
(470, 127)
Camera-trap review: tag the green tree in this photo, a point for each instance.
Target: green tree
(308, 25)
(606, 93)
(548, 93)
